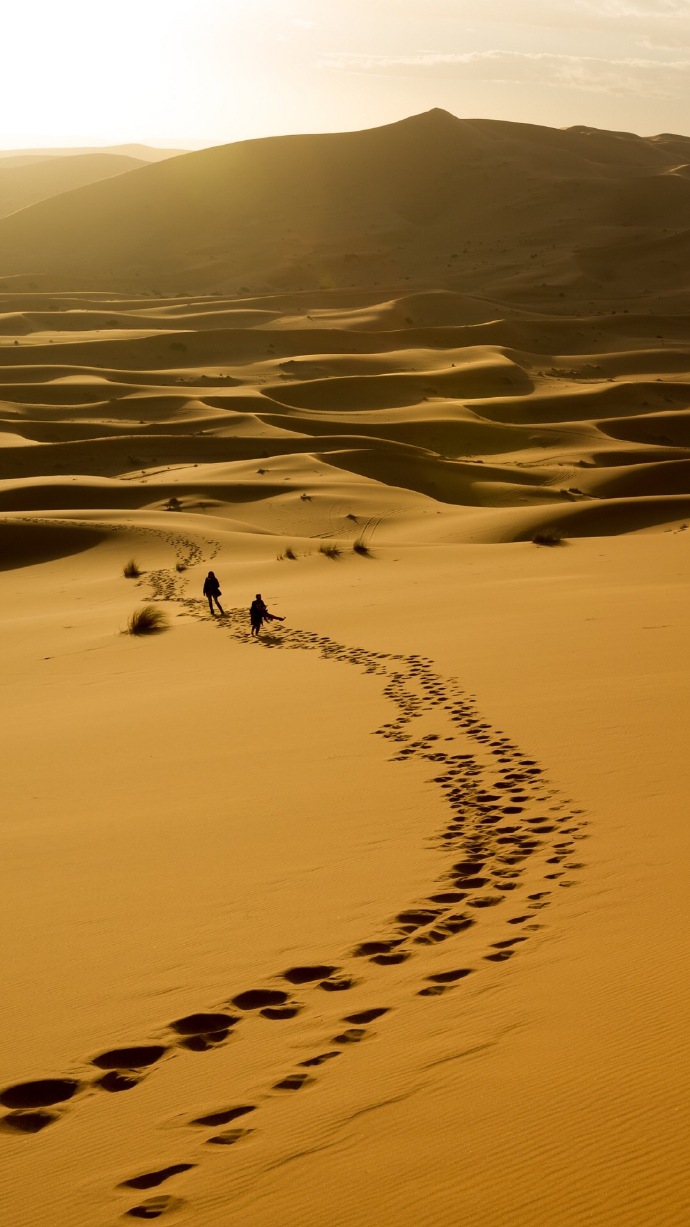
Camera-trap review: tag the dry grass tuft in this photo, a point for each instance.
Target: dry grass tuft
(361, 547)
(330, 550)
(146, 621)
(548, 536)
(131, 569)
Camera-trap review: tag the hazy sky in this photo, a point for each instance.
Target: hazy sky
(202, 72)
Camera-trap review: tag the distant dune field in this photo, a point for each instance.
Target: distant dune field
(379, 918)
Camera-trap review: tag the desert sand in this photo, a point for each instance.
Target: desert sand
(380, 918)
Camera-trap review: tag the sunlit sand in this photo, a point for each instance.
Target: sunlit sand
(379, 918)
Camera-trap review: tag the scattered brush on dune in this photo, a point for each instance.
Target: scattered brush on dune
(146, 621)
(289, 554)
(330, 550)
(180, 566)
(361, 547)
(131, 569)
(548, 536)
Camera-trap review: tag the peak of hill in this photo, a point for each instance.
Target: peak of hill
(25, 184)
(510, 209)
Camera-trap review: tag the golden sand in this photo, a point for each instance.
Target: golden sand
(379, 919)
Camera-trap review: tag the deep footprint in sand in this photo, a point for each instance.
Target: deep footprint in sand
(154, 1207)
(151, 1180)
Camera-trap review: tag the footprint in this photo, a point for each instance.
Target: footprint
(28, 1122)
(224, 1117)
(366, 949)
(130, 1058)
(305, 975)
(258, 998)
(450, 977)
(293, 1082)
(320, 1060)
(386, 960)
(151, 1180)
(366, 1016)
(353, 1035)
(279, 1011)
(228, 1137)
(41, 1094)
(154, 1207)
(115, 1081)
(338, 985)
(204, 1024)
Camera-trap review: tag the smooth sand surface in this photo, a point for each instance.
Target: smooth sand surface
(380, 918)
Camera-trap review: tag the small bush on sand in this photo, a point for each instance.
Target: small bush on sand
(146, 621)
(173, 504)
(180, 566)
(329, 550)
(548, 536)
(290, 554)
(361, 547)
(131, 569)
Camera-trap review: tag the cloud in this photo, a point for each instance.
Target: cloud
(649, 17)
(662, 79)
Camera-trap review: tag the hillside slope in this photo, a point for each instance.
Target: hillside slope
(516, 210)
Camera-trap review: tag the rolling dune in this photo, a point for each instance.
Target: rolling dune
(379, 917)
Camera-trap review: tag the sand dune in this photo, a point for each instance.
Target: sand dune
(491, 207)
(379, 918)
(23, 185)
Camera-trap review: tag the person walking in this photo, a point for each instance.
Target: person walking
(212, 592)
(258, 614)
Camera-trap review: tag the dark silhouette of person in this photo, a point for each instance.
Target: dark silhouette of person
(212, 592)
(258, 614)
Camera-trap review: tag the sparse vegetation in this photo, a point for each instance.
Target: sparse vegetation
(361, 547)
(173, 504)
(146, 620)
(131, 569)
(290, 554)
(329, 550)
(548, 536)
(180, 566)
(306, 498)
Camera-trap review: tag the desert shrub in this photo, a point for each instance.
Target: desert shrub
(548, 536)
(180, 566)
(361, 547)
(173, 504)
(329, 550)
(131, 569)
(290, 554)
(146, 620)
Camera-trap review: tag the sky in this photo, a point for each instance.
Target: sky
(191, 73)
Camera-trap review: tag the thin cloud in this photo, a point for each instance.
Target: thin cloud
(662, 79)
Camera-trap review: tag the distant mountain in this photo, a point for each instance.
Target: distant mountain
(481, 206)
(29, 182)
(143, 153)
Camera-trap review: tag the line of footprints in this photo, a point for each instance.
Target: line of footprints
(501, 816)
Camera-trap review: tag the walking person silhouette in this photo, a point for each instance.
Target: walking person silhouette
(258, 614)
(212, 592)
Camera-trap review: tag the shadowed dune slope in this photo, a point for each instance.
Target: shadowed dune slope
(27, 183)
(434, 200)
